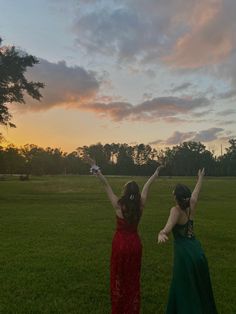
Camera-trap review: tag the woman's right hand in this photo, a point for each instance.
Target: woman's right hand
(201, 173)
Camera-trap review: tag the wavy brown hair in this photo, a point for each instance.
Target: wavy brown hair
(130, 202)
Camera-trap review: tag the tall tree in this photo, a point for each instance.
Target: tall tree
(11, 160)
(125, 163)
(186, 158)
(13, 83)
(228, 160)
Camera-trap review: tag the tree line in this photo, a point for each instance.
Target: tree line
(118, 159)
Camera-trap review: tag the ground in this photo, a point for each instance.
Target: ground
(56, 233)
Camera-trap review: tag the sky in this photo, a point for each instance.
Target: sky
(130, 71)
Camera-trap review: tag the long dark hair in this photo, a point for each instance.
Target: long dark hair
(182, 194)
(130, 202)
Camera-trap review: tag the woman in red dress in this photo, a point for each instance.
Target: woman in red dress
(126, 245)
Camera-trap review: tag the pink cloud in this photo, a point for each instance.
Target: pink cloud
(210, 38)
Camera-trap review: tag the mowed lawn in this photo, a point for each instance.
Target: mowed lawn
(55, 243)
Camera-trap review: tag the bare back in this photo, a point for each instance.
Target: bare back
(183, 215)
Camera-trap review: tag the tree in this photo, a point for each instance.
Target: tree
(13, 83)
(228, 160)
(141, 153)
(232, 148)
(35, 159)
(11, 160)
(187, 158)
(74, 164)
(125, 163)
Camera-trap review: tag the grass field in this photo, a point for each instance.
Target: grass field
(56, 233)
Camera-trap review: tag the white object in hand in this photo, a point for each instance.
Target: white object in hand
(94, 169)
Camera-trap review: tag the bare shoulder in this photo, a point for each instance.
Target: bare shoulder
(175, 211)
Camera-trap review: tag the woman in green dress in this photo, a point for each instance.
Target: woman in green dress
(190, 291)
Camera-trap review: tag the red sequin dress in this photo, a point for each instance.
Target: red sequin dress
(125, 269)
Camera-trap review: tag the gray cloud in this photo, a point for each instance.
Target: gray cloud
(65, 86)
(208, 135)
(227, 122)
(202, 113)
(226, 112)
(191, 33)
(181, 87)
(170, 109)
(119, 32)
(228, 95)
(134, 31)
(177, 137)
(178, 33)
(155, 142)
(75, 87)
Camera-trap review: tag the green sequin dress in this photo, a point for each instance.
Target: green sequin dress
(190, 291)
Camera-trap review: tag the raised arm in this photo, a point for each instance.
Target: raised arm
(147, 185)
(171, 222)
(196, 191)
(111, 195)
(95, 170)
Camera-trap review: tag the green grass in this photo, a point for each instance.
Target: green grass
(56, 233)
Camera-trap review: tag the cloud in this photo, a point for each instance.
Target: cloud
(168, 109)
(226, 112)
(65, 86)
(208, 135)
(177, 137)
(181, 87)
(210, 38)
(134, 31)
(179, 34)
(202, 113)
(183, 34)
(227, 71)
(77, 88)
(155, 142)
(228, 95)
(226, 122)
(118, 32)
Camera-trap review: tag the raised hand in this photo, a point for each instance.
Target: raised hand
(201, 173)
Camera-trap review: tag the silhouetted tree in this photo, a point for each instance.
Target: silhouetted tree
(11, 160)
(13, 83)
(121, 159)
(125, 163)
(187, 158)
(228, 161)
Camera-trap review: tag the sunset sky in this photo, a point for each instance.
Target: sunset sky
(137, 71)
